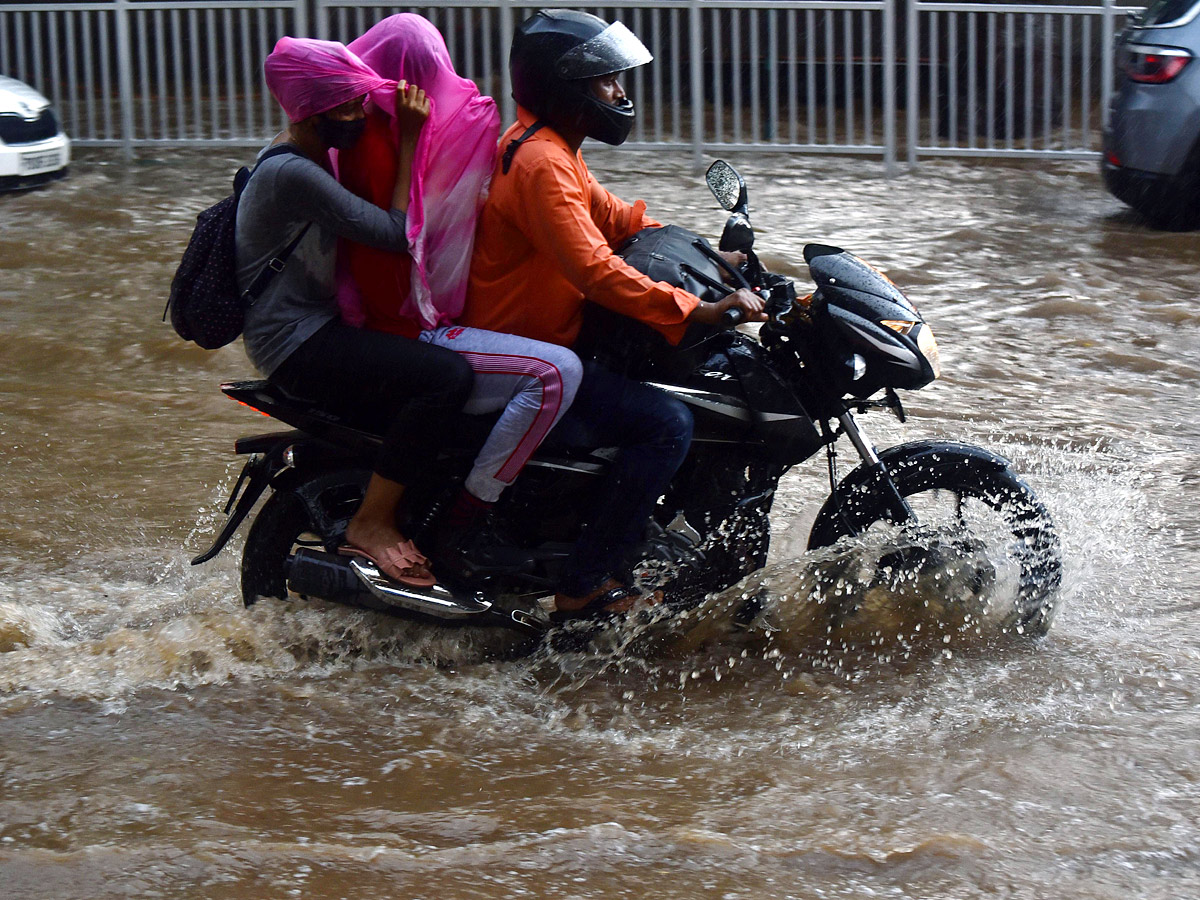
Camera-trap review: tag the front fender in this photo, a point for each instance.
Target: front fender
(863, 484)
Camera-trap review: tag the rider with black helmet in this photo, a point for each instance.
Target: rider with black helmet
(556, 54)
(544, 247)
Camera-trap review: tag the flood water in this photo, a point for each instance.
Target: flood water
(158, 740)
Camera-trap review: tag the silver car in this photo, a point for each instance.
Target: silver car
(1152, 139)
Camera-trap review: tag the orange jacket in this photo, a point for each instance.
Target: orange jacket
(545, 242)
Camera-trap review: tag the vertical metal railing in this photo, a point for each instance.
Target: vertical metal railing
(477, 33)
(722, 68)
(198, 68)
(999, 79)
(804, 76)
(151, 72)
(812, 76)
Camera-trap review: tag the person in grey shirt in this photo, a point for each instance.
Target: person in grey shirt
(410, 391)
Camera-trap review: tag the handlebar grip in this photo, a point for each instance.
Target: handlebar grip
(733, 317)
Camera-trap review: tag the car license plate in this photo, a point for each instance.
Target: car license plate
(41, 161)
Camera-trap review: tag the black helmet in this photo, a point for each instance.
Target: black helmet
(556, 53)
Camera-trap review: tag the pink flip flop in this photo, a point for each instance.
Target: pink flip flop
(394, 561)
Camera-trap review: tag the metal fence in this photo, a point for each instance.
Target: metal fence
(995, 79)
(806, 75)
(788, 75)
(138, 72)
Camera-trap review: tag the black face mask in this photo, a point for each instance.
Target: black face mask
(340, 134)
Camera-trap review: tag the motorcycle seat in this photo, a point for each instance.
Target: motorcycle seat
(468, 432)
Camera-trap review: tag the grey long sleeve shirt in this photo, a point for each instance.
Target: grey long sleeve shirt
(285, 193)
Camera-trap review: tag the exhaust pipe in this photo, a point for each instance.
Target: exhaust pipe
(435, 601)
(354, 581)
(328, 576)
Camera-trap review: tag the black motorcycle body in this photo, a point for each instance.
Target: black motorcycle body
(761, 405)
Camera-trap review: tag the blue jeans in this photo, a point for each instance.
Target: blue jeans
(532, 382)
(653, 431)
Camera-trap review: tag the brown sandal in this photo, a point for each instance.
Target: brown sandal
(396, 562)
(610, 600)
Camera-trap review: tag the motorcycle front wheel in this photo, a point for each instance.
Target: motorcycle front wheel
(948, 485)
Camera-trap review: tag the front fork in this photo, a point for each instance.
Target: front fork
(880, 479)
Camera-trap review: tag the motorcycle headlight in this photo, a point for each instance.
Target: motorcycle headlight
(929, 349)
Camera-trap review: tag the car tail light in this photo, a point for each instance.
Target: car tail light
(1154, 65)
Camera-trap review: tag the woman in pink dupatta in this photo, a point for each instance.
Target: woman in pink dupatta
(420, 293)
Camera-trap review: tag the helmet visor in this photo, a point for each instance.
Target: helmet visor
(615, 49)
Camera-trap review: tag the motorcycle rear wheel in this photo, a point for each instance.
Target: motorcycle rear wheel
(281, 525)
(927, 472)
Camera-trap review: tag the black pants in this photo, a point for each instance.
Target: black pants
(653, 432)
(409, 391)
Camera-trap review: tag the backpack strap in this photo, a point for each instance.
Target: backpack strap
(277, 150)
(274, 265)
(515, 145)
(242, 178)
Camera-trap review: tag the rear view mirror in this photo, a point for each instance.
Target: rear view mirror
(727, 186)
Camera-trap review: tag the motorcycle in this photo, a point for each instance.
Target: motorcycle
(761, 405)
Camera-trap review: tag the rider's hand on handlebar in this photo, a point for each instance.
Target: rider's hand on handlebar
(747, 301)
(412, 109)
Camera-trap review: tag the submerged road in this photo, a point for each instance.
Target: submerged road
(156, 739)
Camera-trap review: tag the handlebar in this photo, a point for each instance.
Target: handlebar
(733, 317)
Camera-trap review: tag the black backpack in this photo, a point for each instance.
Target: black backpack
(205, 303)
(681, 258)
(624, 345)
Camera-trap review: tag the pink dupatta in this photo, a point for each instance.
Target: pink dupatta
(307, 76)
(455, 155)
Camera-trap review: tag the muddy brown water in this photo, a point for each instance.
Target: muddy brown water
(158, 740)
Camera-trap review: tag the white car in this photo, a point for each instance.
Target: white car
(33, 148)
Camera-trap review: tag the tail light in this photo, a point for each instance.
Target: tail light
(253, 407)
(1154, 65)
